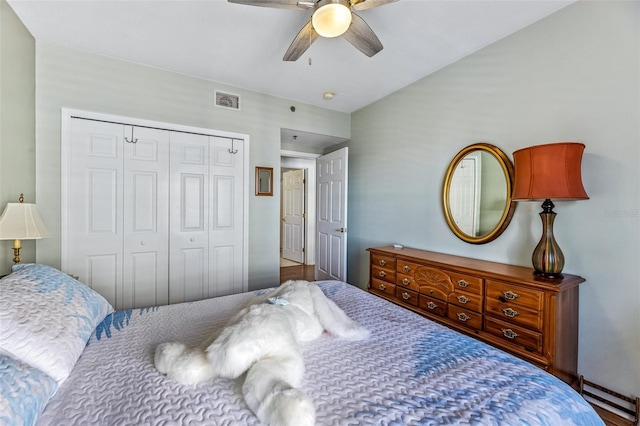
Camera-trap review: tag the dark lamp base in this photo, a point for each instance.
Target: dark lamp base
(547, 274)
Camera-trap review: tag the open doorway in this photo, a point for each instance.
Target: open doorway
(299, 152)
(297, 208)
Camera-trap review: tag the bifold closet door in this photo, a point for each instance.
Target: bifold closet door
(189, 236)
(226, 233)
(115, 238)
(207, 187)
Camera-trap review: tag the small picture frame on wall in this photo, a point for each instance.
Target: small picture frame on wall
(264, 181)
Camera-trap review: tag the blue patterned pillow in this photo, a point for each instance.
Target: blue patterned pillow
(46, 318)
(24, 392)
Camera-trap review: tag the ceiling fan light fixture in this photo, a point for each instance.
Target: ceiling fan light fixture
(331, 18)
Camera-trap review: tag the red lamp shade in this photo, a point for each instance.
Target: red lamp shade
(549, 171)
(544, 172)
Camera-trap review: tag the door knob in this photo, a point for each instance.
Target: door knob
(343, 230)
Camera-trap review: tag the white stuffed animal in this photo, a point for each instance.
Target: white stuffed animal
(263, 340)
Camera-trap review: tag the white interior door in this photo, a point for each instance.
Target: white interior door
(293, 215)
(226, 214)
(93, 225)
(146, 217)
(189, 239)
(464, 196)
(332, 179)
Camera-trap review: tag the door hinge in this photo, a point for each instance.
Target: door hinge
(304, 215)
(304, 181)
(303, 249)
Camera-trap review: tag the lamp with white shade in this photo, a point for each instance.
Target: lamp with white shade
(21, 221)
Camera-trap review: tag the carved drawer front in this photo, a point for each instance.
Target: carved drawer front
(388, 275)
(433, 282)
(526, 339)
(433, 306)
(383, 261)
(379, 286)
(465, 317)
(407, 296)
(466, 283)
(406, 281)
(511, 293)
(472, 302)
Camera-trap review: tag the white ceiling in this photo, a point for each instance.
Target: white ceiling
(243, 45)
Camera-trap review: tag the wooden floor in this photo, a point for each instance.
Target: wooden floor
(301, 272)
(611, 419)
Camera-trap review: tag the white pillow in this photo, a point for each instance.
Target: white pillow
(24, 392)
(46, 318)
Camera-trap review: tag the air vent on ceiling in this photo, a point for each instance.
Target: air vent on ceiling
(227, 100)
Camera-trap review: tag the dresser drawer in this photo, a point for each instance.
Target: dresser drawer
(466, 283)
(528, 340)
(383, 287)
(433, 306)
(465, 317)
(383, 261)
(504, 292)
(406, 281)
(405, 267)
(472, 302)
(384, 274)
(514, 314)
(407, 296)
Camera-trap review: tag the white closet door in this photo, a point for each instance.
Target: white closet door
(146, 217)
(226, 234)
(93, 207)
(189, 239)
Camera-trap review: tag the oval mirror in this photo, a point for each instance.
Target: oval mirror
(476, 193)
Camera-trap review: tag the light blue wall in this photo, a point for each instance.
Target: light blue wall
(72, 79)
(574, 76)
(17, 122)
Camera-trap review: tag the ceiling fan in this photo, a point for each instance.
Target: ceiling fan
(330, 18)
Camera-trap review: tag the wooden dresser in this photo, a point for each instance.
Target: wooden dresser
(504, 305)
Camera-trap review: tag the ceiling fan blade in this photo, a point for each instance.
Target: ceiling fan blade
(369, 4)
(278, 4)
(362, 37)
(301, 43)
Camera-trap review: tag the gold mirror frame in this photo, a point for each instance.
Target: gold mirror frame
(510, 205)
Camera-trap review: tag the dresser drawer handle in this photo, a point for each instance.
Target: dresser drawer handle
(382, 287)
(463, 317)
(382, 273)
(509, 333)
(382, 263)
(406, 268)
(406, 296)
(431, 305)
(462, 299)
(509, 295)
(509, 312)
(406, 281)
(463, 283)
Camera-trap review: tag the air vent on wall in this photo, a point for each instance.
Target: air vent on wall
(227, 100)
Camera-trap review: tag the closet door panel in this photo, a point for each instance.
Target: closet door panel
(93, 227)
(226, 216)
(146, 217)
(189, 236)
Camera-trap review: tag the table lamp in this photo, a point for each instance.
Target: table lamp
(21, 221)
(545, 172)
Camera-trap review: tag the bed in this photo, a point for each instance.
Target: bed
(425, 375)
